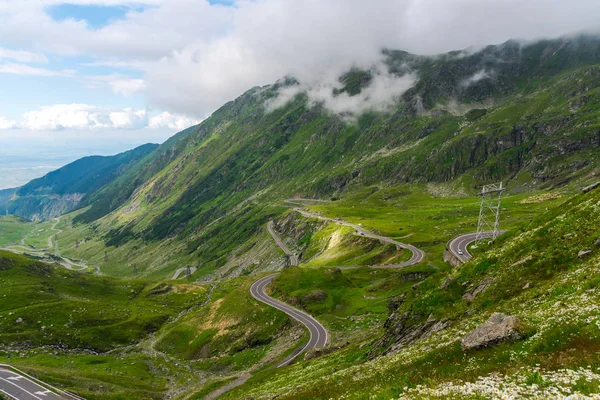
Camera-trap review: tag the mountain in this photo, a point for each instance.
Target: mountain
(526, 114)
(61, 191)
(278, 177)
(538, 285)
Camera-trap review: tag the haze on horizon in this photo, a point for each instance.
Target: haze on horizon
(86, 77)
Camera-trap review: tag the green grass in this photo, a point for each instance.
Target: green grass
(75, 310)
(13, 229)
(133, 376)
(233, 332)
(559, 315)
(336, 245)
(410, 214)
(351, 303)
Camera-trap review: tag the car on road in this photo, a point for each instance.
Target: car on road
(460, 252)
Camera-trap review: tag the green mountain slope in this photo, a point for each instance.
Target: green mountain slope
(544, 273)
(64, 326)
(61, 191)
(525, 114)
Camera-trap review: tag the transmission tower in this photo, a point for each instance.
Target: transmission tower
(489, 212)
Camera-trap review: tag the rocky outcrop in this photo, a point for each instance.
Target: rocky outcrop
(591, 187)
(315, 296)
(404, 328)
(474, 291)
(498, 328)
(583, 253)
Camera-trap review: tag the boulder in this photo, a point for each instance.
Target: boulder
(315, 296)
(476, 290)
(447, 282)
(591, 187)
(597, 242)
(498, 328)
(404, 328)
(19, 320)
(583, 253)
(528, 285)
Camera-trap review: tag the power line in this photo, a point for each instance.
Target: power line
(488, 226)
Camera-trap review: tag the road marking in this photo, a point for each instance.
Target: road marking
(15, 377)
(44, 393)
(313, 326)
(23, 389)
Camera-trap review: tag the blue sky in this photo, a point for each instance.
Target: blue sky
(100, 76)
(96, 16)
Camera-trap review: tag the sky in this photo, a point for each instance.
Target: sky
(85, 77)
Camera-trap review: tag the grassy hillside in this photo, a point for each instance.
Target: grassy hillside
(534, 273)
(13, 229)
(53, 322)
(80, 311)
(533, 122)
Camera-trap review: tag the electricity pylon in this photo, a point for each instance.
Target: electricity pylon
(489, 212)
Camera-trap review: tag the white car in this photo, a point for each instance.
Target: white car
(460, 252)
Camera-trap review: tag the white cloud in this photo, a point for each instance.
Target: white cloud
(119, 84)
(194, 57)
(22, 69)
(128, 119)
(171, 121)
(22, 56)
(379, 95)
(127, 87)
(65, 116)
(7, 124)
(85, 117)
(476, 77)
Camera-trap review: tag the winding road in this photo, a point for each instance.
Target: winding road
(417, 254)
(459, 246)
(292, 257)
(318, 333)
(20, 386)
(52, 245)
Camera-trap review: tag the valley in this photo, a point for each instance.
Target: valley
(283, 249)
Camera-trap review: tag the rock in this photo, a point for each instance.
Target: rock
(395, 302)
(522, 261)
(19, 320)
(591, 187)
(583, 253)
(320, 351)
(498, 328)
(597, 242)
(315, 296)
(447, 282)
(413, 277)
(402, 329)
(473, 292)
(528, 285)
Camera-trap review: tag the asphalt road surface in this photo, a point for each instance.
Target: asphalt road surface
(461, 243)
(318, 334)
(293, 258)
(20, 387)
(417, 255)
